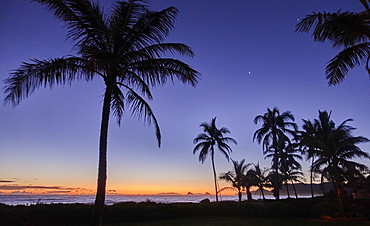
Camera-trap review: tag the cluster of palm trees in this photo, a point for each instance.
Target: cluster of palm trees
(243, 177)
(330, 148)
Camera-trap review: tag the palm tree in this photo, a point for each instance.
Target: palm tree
(206, 141)
(275, 180)
(306, 139)
(287, 163)
(348, 31)
(124, 48)
(236, 176)
(274, 131)
(294, 175)
(335, 148)
(260, 178)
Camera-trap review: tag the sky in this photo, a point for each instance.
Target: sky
(250, 58)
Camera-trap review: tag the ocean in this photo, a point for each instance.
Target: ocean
(112, 199)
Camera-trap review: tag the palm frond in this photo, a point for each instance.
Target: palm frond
(31, 76)
(158, 50)
(81, 16)
(338, 67)
(158, 71)
(117, 103)
(141, 109)
(201, 137)
(152, 27)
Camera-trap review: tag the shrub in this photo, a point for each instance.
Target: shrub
(278, 209)
(325, 209)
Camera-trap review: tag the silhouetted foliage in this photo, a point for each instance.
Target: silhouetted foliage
(128, 212)
(348, 31)
(335, 147)
(273, 134)
(124, 48)
(238, 177)
(206, 142)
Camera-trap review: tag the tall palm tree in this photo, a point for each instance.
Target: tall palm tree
(274, 131)
(206, 141)
(236, 176)
(335, 148)
(124, 48)
(348, 31)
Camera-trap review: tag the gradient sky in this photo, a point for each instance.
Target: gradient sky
(250, 58)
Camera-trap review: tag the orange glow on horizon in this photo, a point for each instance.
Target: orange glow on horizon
(155, 190)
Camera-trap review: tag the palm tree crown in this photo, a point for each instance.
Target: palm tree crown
(124, 48)
(205, 142)
(274, 127)
(346, 30)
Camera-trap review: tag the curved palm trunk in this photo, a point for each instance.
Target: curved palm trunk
(338, 191)
(102, 169)
(287, 189)
(276, 161)
(249, 194)
(239, 195)
(214, 174)
(263, 194)
(311, 178)
(295, 190)
(340, 196)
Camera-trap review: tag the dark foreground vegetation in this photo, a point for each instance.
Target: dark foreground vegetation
(136, 213)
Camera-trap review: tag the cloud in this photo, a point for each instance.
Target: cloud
(22, 187)
(6, 181)
(58, 192)
(40, 189)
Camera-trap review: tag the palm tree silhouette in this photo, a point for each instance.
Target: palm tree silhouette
(272, 134)
(294, 175)
(335, 148)
(346, 30)
(237, 176)
(307, 141)
(125, 49)
(287, 162)
(260, 177)
(206, 141)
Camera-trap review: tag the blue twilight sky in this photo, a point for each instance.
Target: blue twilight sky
(250, 58)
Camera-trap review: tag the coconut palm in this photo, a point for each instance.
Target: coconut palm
(336, 147)
(275, 180)
(237, 176)
(274, 131)
(306, 140)
(124, 48)
(287, 162)
(206, 141)
(294, 175)
(348, 31)
(260, 177)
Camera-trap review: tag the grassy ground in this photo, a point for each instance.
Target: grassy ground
(285, 212)
(219, 221)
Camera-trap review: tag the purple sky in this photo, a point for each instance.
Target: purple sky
(250, 58)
